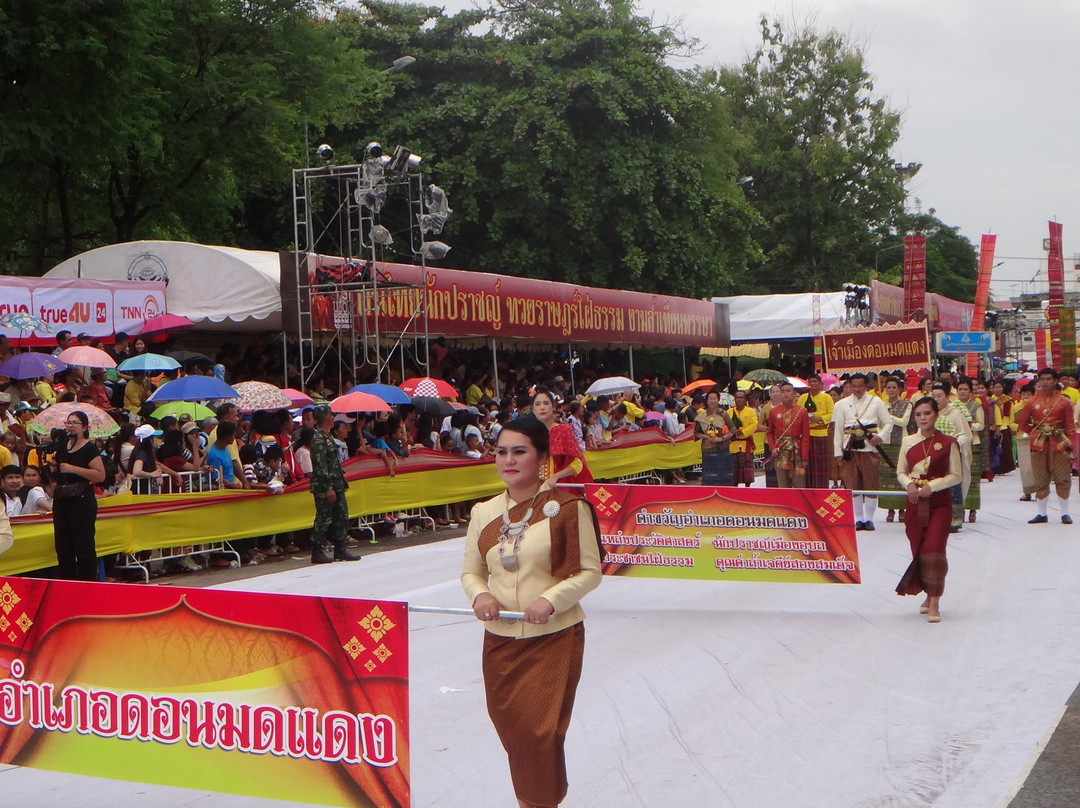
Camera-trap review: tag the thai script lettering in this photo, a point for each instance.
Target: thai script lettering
(756, 562)
(296, 732)
(652, 540)
(875, 350)
(770, 545)
(649, 560)
(668, 518)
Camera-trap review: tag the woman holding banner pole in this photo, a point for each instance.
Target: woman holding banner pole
(928, 467)
(534, 550)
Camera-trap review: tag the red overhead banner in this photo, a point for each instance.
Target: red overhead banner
(982, 295)
(915, 278)
(479, 304)
(943, 313)
(876, 348)
(273, 696)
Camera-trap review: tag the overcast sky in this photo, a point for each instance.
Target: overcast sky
(988, 95)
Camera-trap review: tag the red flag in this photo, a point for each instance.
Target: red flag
(982, 295)
(915, 278)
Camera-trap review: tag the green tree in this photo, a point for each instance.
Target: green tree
(952, 261)
(160, 118)
(570, 149)
(815, 139)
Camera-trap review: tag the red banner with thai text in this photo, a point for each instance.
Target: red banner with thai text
(479, 304)
(982, 295)
(727, 534)
(274, 696)
(876, 348)
(943, 313)
(1042, 347)
(915, 278)
(1055, 275)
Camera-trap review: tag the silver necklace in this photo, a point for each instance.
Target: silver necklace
(511, 534)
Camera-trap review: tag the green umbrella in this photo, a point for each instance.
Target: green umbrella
(177, 408)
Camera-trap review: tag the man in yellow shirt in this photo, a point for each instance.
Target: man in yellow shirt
(819, 406)
(741, 447)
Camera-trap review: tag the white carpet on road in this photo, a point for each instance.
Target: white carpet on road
(706, 695)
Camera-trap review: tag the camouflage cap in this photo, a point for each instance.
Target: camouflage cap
(321, 411)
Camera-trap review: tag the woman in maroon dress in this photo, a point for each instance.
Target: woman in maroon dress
(567, 463)
(928, 466)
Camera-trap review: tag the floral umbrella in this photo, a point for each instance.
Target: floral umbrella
(427, 386)
(101, 423)
(259, 396)
(30, 365)
(24, 321)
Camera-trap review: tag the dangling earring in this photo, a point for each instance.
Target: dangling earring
(543, 472)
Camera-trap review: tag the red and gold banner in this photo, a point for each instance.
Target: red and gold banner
(943, 313)
(1042, 347)
(915, 278)
(982, 295)
(479, 304)
(273, 696)
(727, 534)
(1055, 275)
(876, 348)
(1067, 326)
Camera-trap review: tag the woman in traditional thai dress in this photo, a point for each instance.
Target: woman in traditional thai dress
(535, 551)
(567, 459)
(928, 467)
(1002, 392)
(971, 406)
(900, 414)
(714, 429)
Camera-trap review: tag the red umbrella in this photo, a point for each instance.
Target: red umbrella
(165, 322)
(359, 402)
(427, 386)
(298, 397)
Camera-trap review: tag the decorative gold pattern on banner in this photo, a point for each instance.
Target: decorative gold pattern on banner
(8, 598)
(5, 624)
(370, 665)
(822, 511)
(383, 653)
(377, 624)
(24, 622)
(354, 648)
(834, 500)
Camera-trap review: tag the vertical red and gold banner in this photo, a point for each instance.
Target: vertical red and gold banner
(914, 278)
(819, 355)
(982, 295)
(727, 534)
(1042, 353)
(275, 696)
(1055, 275)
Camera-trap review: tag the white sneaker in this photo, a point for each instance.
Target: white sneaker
(190, 564)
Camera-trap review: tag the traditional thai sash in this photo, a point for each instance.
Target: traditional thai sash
(789, 457)
(920, 470)
(1045, 434)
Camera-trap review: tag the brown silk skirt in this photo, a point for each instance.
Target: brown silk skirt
(530, 686)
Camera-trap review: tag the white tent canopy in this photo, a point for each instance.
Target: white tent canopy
(767, 318)
(219, 288)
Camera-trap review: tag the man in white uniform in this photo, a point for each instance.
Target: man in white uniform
(862, 424)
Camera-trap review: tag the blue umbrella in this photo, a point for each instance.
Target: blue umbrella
(148, 361)
(193, 388)
(30, 365)
(388, 393)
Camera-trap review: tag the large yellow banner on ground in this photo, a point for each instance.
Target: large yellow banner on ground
(274, 696)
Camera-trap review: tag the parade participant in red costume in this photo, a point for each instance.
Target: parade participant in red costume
(788, 430)
(928, 466)
(1048, 419)
(567, 462)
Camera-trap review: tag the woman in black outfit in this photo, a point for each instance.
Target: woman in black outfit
(74, 504)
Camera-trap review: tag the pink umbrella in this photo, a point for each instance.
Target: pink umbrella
(165, 322)
(359, 402)
(297, 397)
(427, 386)
(86, 356)
(829, 380)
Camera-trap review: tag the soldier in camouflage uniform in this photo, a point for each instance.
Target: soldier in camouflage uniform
(328, 486)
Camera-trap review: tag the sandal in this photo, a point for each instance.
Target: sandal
(971, 516)
(292, 548)
(900, 516)
(890, 515)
